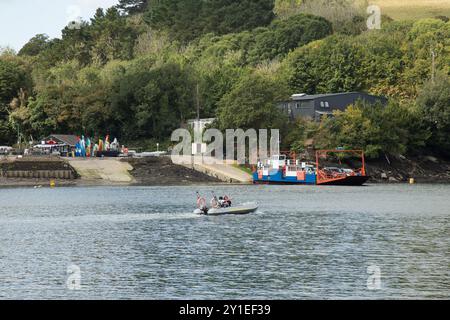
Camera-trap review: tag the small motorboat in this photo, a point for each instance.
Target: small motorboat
(223, 206)
(243, 209)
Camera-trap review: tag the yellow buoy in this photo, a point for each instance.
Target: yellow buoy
(52, 183)
(412, 181)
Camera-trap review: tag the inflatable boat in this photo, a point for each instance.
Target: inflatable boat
(243, 209)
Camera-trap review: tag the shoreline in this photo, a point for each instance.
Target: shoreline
(79, 183)
(162, 172)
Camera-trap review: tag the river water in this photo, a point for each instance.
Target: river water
(303, 243)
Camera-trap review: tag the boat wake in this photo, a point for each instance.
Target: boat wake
(109, 218)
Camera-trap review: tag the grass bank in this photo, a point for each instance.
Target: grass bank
(413, 9)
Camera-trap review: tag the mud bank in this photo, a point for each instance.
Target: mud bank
(422, 169)
(160, 171)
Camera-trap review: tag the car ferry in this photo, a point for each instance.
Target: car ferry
(281, 170)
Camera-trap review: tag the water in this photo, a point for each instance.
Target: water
(304, 243)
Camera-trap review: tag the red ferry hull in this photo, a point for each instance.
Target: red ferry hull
(347, 181)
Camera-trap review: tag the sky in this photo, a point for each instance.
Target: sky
(20, 20)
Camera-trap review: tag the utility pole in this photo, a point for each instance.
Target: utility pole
(198, 103)
(19, 140)
(198, 139)
(433, 65)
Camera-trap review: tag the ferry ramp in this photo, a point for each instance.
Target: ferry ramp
(96, 170)
(226, 172)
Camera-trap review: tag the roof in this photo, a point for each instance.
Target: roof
(324, 112)
(70, 140)
(323, 96)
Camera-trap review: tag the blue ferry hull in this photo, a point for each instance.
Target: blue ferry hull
(277, 177)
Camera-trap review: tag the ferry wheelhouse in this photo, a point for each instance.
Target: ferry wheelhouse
(281, 169)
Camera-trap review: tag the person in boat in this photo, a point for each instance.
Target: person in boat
(222, 202)
(201, 204)
(225, 202)
(215, 203)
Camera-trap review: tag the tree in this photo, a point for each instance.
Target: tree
(35, 46)
(182, 19)
(335, 64)
(107, 36)
(133, 6)
(186, 20)
(225, 16)
(13, 79)
(298, 133)
(152, 101)
(282, 36)
(379, 130)
(251, 104)
(434, 104)
(112, 37)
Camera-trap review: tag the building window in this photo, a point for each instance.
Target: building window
(298, 105)
(322, 104)
(327, 105)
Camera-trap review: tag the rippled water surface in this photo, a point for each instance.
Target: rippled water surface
(303, 243)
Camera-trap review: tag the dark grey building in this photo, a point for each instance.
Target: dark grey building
(318, 105)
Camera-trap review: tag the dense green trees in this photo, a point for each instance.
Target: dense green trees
(333, 65)
(133, 6)
(15, 83)
(35, 46)
(282, 36)
(379, 131)
(346, 16)
(138, 70)
(152, 102)
(108, 36)
(12, 78)
(376, 129)
(251, 104)
(264, 43)
(434, 104)
(186, 20)
(394, 61)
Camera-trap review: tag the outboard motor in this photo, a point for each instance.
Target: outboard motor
(204, 210)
